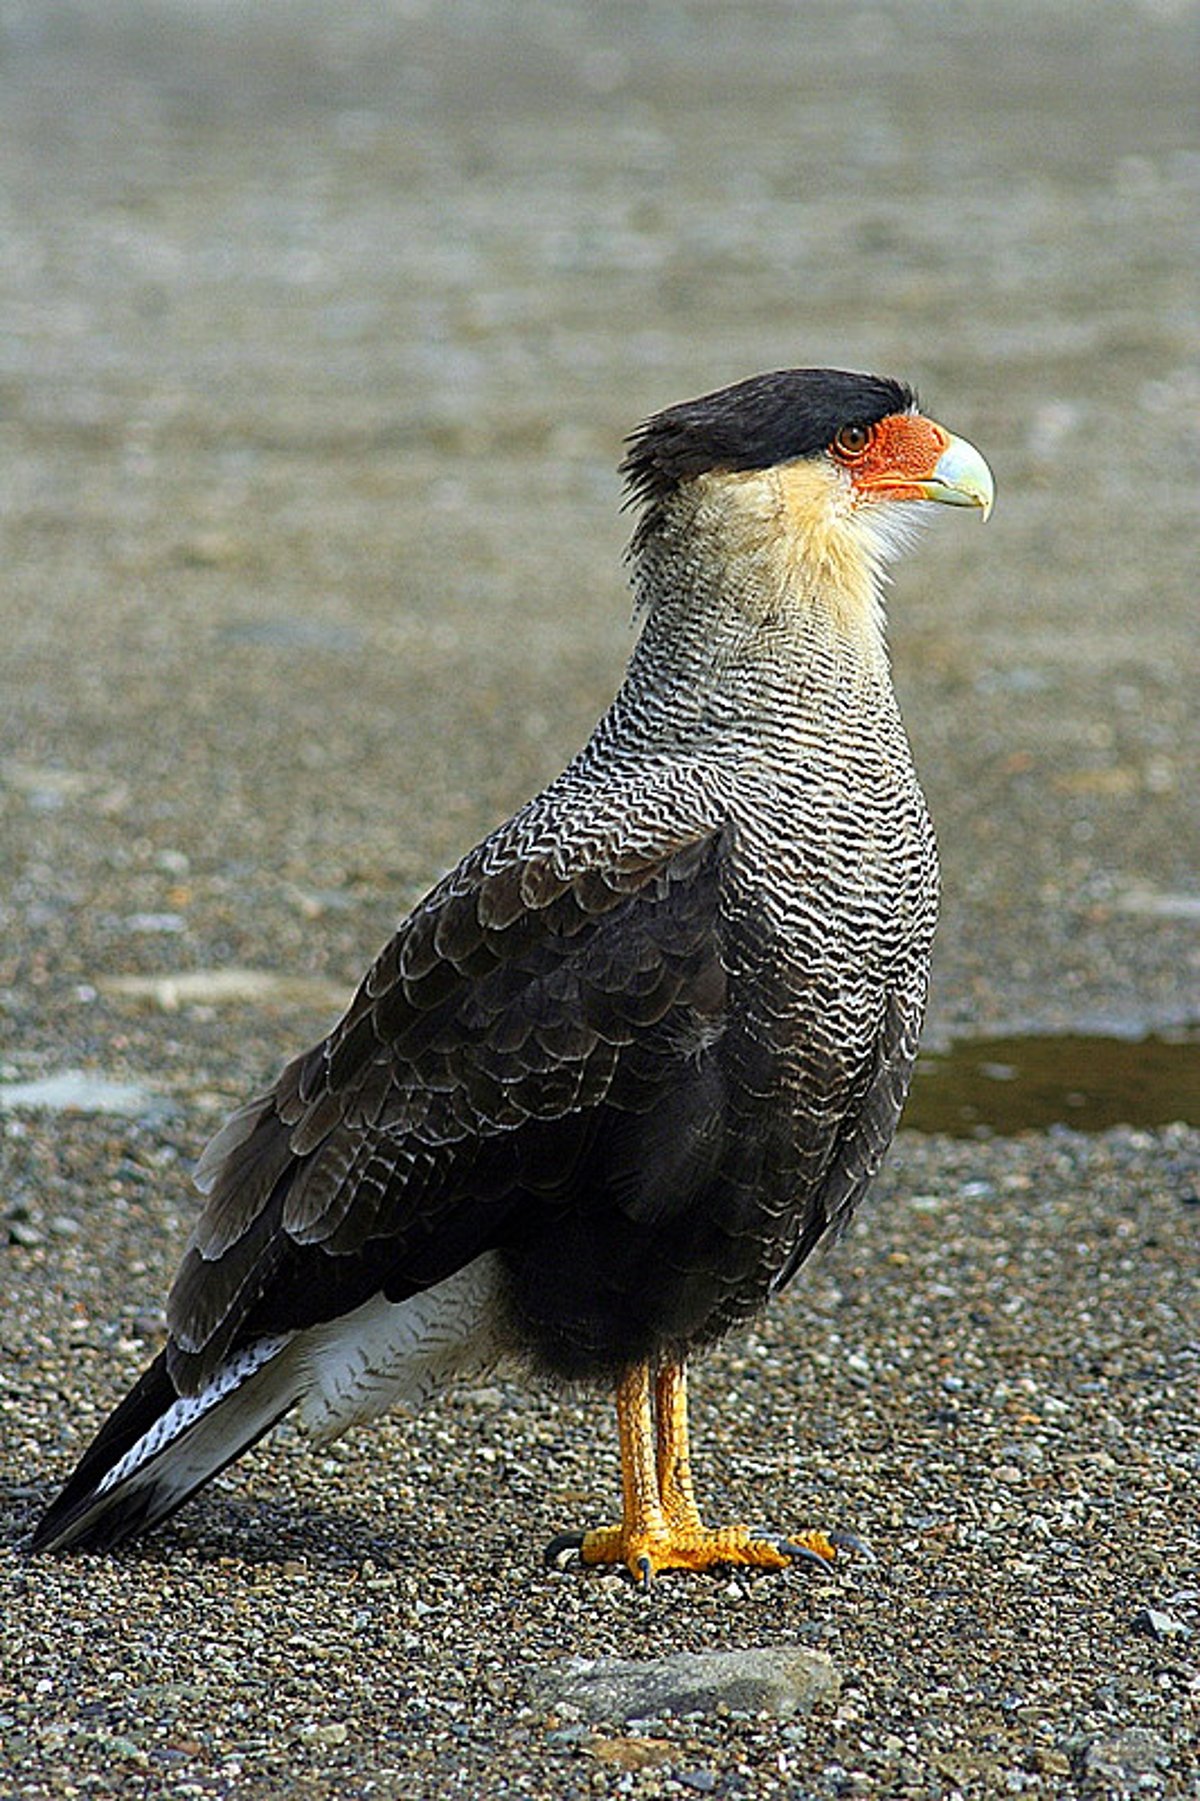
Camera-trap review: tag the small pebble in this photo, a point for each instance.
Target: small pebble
(1154, 1623)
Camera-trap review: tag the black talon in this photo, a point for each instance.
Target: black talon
(850, 1541)
(800, 1552)
(565, 1541)
(645, 1574)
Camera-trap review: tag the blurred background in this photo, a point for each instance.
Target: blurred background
(322, 330)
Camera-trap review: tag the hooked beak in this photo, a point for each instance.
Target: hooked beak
(959, 478)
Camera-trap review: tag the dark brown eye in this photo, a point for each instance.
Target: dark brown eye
(852, 440)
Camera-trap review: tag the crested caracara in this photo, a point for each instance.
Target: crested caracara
(642, 1050)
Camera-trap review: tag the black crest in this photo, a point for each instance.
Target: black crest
(752, 425)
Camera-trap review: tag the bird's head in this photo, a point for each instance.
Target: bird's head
(807, 477)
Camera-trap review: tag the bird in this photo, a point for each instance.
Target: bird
(643, 1049)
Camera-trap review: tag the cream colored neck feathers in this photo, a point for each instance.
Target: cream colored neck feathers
(785, 551)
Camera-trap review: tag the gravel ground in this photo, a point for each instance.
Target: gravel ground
(993, 1383)
(323, 330)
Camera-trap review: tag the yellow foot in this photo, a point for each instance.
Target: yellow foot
(644, 1553)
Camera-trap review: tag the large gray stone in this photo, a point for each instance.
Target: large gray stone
(777, 1679)
(1125, 1756)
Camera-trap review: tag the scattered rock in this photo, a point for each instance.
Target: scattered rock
(80, 1091)
(288, 633)
(223, 987)
(46, 790)
(779, 1679)
(1157, 905)
(1135, 1752)
(150, 923)
(625, 1753)
(1051, 1763)
(335, 1733)
(1153, 1623)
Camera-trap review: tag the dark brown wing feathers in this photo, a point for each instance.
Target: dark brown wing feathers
(501, 1003)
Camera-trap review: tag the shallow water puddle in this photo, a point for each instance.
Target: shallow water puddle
(998, 1086)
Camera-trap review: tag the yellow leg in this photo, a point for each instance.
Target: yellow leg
(661, 1528)
(672, 1453)
(643, 1529)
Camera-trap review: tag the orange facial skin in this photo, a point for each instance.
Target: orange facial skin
(898, 454)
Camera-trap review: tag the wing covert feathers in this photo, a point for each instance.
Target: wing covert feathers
(515, 996)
